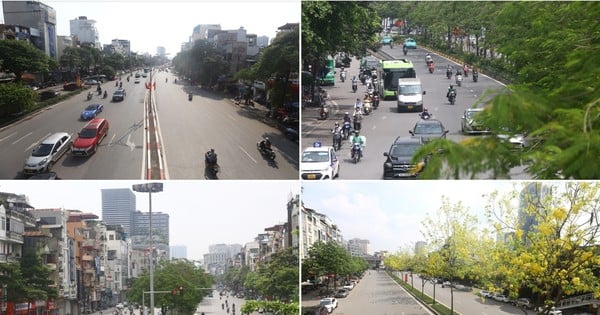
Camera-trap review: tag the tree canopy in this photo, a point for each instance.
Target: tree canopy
(19, 57)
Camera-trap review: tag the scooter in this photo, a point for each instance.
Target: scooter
(324, 112)
(449, 74)
(105, 95)
(431, 67)
(425, 115)
(90, 95)
(459, 79)
(211, 165)
(375, 101)
(337, 141)
(356, 152)
(266, 151)
(346, 130)
(452, 97)
(343, 76)
(367, 109)
(354, 86)
(405, 51)
(475, 76)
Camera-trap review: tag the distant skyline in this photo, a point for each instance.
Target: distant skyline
(390, 214)
(150, 24)
(201, 213)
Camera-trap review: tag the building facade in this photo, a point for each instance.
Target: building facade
(317, 227)
(118, 207)
(85, 31)
(39, 18)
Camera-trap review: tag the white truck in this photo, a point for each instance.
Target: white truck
(410, 95)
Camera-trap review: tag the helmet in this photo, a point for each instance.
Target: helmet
(425, 110)
(451, 86)
(346, 113)
(337, 123)
(212, 150)
(356, 132)
(267, 138)
(358, 99)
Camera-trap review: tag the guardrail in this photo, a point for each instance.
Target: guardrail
(576, 301)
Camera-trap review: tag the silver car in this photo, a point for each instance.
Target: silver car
(47, 153)
(469, 125)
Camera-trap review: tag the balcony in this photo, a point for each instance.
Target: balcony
(89, 270)
(87, 258)
(51, 266)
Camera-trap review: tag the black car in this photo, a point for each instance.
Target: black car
(46, 95)
(429, 129)
(398, 163)
(119, 95)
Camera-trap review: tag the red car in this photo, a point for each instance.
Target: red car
(90, 136)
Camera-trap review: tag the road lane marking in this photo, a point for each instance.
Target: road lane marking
(23, 137)
(35, 143)
(10, 135)
(113, 138)
(255, 162)
(130, 143)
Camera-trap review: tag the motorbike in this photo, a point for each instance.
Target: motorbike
(346, 130)
(391, 45)
(431, 67)
(449, 74)
(127, 79)
(324, 112)
(459, 79)
(475, 76)
(452, 97)
(190, 96)
(337, 141)
(343, 76)
(466, 71)
(117, 84)
(354, 86)
(356, 152)
(375, 101)
(367, 106)
(175, 81)
(90, 95)
(405, 51)
(268, 152)
(105, 95)
(210, 162)
(120, 84)
(425, 115)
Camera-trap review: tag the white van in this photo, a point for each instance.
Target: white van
(410, 95)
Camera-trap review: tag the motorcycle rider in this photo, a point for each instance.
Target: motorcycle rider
(458, 71)
(337, 133)
(105, 94)
(210, 157)
(425, 114)
(450, 89)
(265, 144)
(357, 118)
(354, 83)
(404, 49)
(99, 89)
(361, 140)
(358, 104)
(428, 59)
(347, 117)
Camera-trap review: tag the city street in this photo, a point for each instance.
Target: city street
(385, 124)
(187, 128)
(216, 305)
(376, 293)
(464, 302)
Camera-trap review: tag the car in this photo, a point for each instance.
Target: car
(486, 294)
(47, 153)
(91, 111)
(119, 305)
(91, 82)
(515, 140)
(48, 94)
(386, 40)
(329, 302)
(71, 86)
(501, 298)
(460, 287)
(319, 162)
(144, 75)
(348, 286)
(89, 137)
(341, 293)
(398, 163)
(45, 175)
(552, 311)
(137, 80)
(137, 75)
(524, 303)
(447, 284)
(292, 134)
(468, 123)
(119, 95)
(410, 43)
(429, 129)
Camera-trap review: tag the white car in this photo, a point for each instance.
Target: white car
(47, 153)
(329, 303)
(319, 162)
(501, 298)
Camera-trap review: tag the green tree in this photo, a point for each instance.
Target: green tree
(327, 259)
(19, 57)
(15, 98)
(203, 63)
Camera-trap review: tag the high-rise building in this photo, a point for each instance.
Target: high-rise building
(141, 230)
(118, 207)
(122, 47)
(178, 252)
(161, 51)
(531, 198)
(86, 31)
(358, 248)
(200, 31)
(40, 18)
(317, 227)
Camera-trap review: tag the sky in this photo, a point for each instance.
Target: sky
(149, 24)
(201, 213)
(389, 214)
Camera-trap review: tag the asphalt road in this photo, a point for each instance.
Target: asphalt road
(385, 124)
(376, 294)
(188, 129)
(465, 302)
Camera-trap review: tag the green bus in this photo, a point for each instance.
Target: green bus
(327, 74)
(389, 73)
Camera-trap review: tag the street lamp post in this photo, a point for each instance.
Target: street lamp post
(150, 188)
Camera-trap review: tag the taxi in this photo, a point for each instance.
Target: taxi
(319, 162)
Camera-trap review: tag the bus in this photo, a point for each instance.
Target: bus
(389, 73)
(327, 74)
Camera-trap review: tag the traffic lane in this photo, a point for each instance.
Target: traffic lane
(216, 305)
(214, 122)
(377, 293)
(120, 154)
(19, 139)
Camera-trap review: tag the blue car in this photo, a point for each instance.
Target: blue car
(91, 111)
(386, 40)
(410, 43)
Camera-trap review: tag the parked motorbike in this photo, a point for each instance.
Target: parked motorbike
(475, 76)
(459, 79)
(268, 152)
(346, 130)
(452, 97)
(324, 112)
(356, 152)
